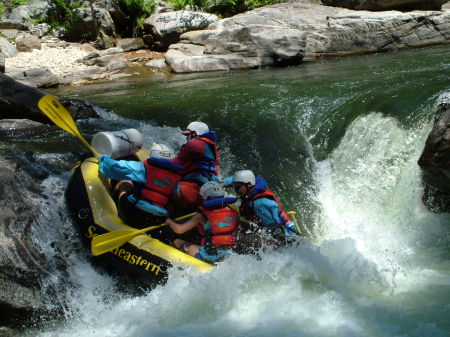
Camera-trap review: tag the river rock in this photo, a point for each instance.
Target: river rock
(167, 27)
(38, 78)
(7, 48)
(86, 27)
(290, 33)
(15, 127)
(435, 162)
(31, 283)
(382, 5)
(25, 43)
(13, 24)
(2, 62)
(19, 101)
(32, 9)
(131, 44)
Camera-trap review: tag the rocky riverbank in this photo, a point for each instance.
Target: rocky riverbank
(278, 35)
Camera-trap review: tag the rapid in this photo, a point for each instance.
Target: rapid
(338, 141)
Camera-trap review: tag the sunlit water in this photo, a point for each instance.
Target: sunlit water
(338, 141)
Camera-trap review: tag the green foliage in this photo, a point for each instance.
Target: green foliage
(136, 11)
(6, 5)
(222, 8)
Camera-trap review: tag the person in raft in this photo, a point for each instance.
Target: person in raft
(145, 187)
(260, 206)
(216, 223)
(200, 161)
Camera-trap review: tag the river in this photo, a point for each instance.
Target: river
(338, 141)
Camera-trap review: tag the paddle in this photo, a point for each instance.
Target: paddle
(59, 115)
(295, 221)
(106, 242)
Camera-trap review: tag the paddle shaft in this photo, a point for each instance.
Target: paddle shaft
(106, 242)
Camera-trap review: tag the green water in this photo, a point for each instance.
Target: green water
(338, 141)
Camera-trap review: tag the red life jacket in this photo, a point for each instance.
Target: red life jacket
(159, 185)
(223, 222)
(204, 163)
(252, 215)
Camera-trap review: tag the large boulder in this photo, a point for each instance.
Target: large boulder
(33, 9)
(167, 27)
(85, 26)
(19, 101)
(383, 5)
(290, 33)
(435, 162)
(27, 42)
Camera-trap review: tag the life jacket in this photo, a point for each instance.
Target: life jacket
(162, 176)
(209, 160)
(223, 222)
(247, 208)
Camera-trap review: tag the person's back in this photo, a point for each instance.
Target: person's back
(199, 158)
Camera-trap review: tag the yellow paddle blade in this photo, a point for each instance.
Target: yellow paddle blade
(59, 115)
(106, 242)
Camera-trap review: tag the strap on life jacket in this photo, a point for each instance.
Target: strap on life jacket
(161, 180)
(206, 165)
(223, 222)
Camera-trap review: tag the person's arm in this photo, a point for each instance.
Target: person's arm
(197, 219)
(267, 211)
(122, 169)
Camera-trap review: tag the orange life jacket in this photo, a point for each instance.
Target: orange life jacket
(223, 222)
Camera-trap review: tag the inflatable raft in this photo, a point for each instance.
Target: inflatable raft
(144, 258)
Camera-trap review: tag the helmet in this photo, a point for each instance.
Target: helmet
(211, 189)
(161, 151)
(244, 176)
(199, 127)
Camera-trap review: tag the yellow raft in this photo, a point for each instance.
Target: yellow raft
(144, 258)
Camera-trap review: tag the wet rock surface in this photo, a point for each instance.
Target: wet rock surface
(435, 163)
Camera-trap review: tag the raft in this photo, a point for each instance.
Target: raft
(144, 258)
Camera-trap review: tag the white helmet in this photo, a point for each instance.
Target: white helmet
(244, 176)
(211, 189)
(161, 151)
(199, 127)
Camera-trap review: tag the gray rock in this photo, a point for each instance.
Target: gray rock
(382, 5)
(166, 28)
(26, 43)
(13, 24)
(33, 9)
(14, 127)
(7, 48)
(131, 44)
(19, 101)
(2, 62)
(158, 64)
(40, 30)
(435, 163)
(86, 26)
(9, 33)
(38, 78)
(290, 33)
